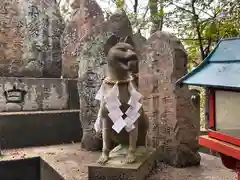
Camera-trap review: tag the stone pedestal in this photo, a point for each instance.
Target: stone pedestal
(117, 169)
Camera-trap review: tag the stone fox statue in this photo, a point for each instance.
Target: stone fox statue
(121, 117)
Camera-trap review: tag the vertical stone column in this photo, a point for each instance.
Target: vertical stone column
(173, 118)
(90, 61)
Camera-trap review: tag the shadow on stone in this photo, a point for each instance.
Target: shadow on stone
(27, 169)
(39, 128)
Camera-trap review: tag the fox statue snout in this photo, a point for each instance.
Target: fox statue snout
(120, 55)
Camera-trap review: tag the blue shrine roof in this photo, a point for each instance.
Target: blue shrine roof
(221, 68)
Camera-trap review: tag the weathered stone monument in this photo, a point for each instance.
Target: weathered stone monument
(34, 101)
(82, 58)
(87, 14)
(172, 115)
(10, 37)
(82, 41)
(43, 29)
(30, 34)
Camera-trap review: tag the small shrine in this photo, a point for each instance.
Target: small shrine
(219, 73)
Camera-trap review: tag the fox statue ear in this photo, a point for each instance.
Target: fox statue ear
(112, 41)
(129, 40)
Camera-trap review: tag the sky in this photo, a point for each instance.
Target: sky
(107, 5)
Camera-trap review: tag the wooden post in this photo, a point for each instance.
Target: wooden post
(238, 173)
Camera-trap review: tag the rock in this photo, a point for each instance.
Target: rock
(172, 115)
(139, 41)
(86, 15)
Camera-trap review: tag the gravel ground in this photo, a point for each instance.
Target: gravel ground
(70, 162)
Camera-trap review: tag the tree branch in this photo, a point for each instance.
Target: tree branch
(183, 9)
(144, 16)
(189, 11)
(162, 16)
(59, 2)
(204, 12)
(135, 6)
(207, 49)
(196, 22)
(191, 39)
(156, 17)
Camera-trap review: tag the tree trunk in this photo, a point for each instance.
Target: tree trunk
(156, 17)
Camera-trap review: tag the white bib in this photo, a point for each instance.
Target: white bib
(112, 103)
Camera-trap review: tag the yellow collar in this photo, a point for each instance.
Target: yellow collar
(108, 80)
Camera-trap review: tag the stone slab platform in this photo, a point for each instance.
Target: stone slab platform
(117, 169)
(70, 162)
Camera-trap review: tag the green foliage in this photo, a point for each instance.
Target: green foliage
(210, 29)
(203, 23)
(199, 23)
(120, 4)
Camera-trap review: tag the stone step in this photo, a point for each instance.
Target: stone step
(39, 128)
(33, 168)
(37, 112)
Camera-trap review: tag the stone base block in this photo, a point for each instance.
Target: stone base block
(117, 169)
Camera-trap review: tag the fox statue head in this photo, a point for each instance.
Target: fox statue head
(121, 56)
